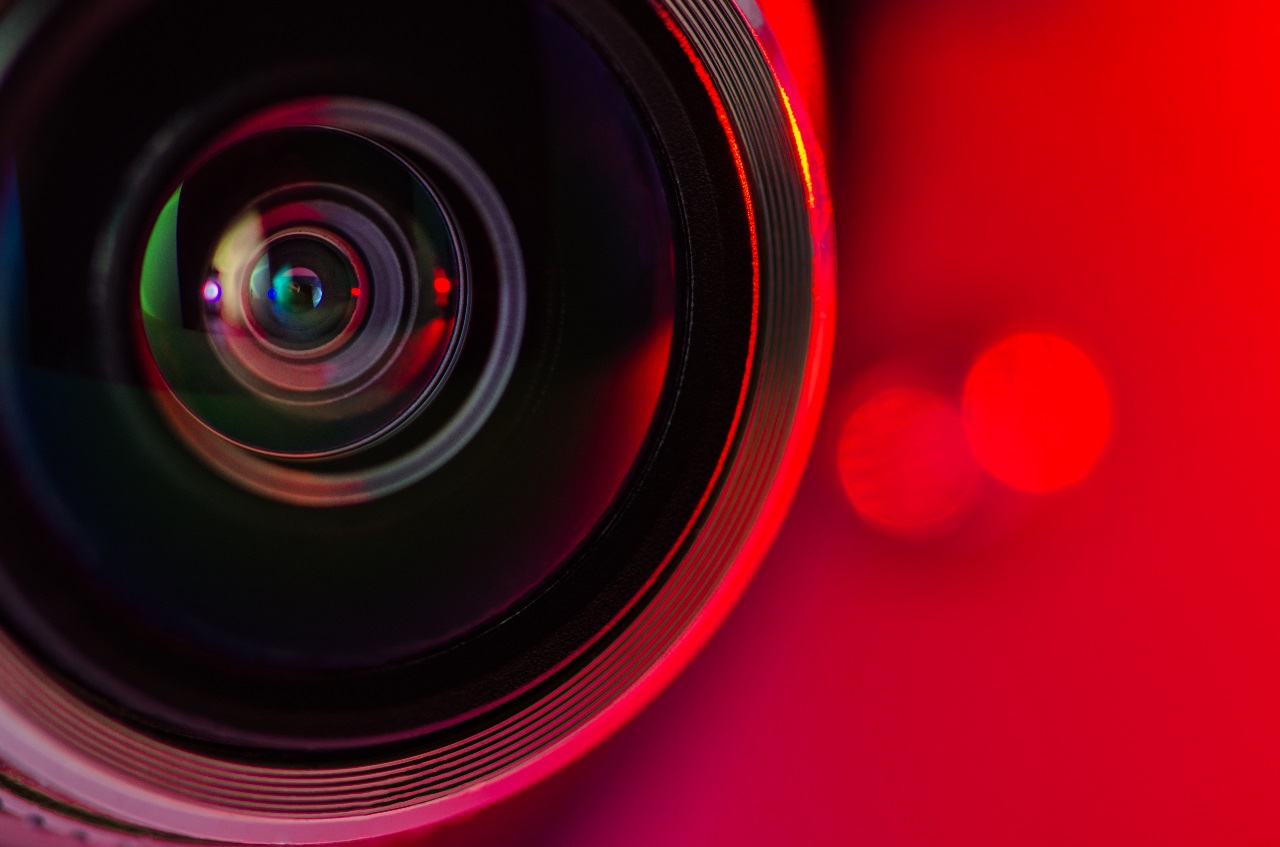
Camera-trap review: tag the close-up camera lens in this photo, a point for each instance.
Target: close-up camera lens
(331, 298)
(391, 397)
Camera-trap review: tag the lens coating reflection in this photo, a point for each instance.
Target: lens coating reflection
(301, 292)
(325, 333)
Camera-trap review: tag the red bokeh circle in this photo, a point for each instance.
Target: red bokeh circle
(904, 462)
(1037, 412)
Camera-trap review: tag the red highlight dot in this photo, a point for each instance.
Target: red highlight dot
(355, 292)
(905, 464)
(1037, 412)
(442, 283)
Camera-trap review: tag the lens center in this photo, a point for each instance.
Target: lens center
(302, 293)
(297, 290)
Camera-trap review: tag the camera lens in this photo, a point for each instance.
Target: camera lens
(375, 419)
(303, 292)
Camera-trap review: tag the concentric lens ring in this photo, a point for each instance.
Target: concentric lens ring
(302, 313)
(291, 375)
(354, 368)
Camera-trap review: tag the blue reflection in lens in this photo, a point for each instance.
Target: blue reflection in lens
(11, 252)
(295, 288)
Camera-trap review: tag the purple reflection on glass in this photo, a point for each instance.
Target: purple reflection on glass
(212, 291)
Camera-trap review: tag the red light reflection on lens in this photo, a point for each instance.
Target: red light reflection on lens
(795, 26)
(442, 285)
(905, 464)
(1036, 412)
(424, 345)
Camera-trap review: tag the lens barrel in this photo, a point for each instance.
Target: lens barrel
(383, 422)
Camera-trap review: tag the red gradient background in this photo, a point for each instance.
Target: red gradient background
(1097, 664)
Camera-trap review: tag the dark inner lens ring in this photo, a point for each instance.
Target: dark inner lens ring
(303, 292)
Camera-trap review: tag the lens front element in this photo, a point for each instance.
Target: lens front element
(289, 300)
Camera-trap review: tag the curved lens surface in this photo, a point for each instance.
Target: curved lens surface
(317, 473)
(288, 294)
(302, 293)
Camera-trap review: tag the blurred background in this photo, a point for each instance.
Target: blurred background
(1028, 593)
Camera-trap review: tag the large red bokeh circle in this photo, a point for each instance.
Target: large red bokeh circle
(1037, 412)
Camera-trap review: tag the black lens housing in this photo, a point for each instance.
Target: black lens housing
(377, 743)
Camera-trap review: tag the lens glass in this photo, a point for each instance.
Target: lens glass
(380, 346)
(290, 296)
(302, 293)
